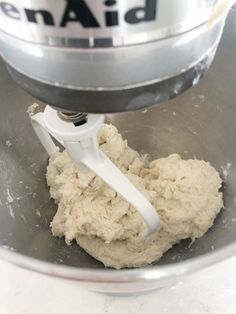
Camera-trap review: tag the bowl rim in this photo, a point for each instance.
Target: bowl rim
(107, 275)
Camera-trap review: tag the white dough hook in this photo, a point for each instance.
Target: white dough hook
(82, 146)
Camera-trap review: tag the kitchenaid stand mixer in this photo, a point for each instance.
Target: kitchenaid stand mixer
(108, 56)
(29, 61)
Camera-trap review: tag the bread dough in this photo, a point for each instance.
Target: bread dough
(184, 192)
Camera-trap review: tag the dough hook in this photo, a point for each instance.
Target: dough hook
(82, 146)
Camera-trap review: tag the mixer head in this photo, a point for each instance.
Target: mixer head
(109, 56)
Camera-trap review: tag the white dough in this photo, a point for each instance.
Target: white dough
(184, 192)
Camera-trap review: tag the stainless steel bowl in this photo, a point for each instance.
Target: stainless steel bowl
(199, 123)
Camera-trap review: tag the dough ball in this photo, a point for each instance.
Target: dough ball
(185, 193)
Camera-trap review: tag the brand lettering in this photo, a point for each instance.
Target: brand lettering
(81, 12)
(78, 11)
(10, 10)
(148, 13)
(33, 14)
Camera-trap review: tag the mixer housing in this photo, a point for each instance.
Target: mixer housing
(108, 56)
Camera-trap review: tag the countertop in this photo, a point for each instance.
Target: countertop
(212, 290)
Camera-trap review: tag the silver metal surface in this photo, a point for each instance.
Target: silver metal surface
(86, 49)
(113, 68)
(200, 123)
(89, 23)
(76, 117)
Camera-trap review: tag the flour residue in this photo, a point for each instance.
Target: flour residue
(10, 200)
(23, 218)
(9, 196)
(226, 170)
(31, 109)
(8, 247)
(8, 143)
(12, 214)
(37, 212)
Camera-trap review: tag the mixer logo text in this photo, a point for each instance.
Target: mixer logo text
(79, 11)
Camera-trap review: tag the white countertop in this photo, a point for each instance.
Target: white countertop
(212, 290)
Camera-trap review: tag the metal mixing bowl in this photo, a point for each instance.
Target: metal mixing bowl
(200, 123)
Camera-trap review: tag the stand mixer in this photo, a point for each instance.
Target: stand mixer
(85, 58)
(108, 57)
